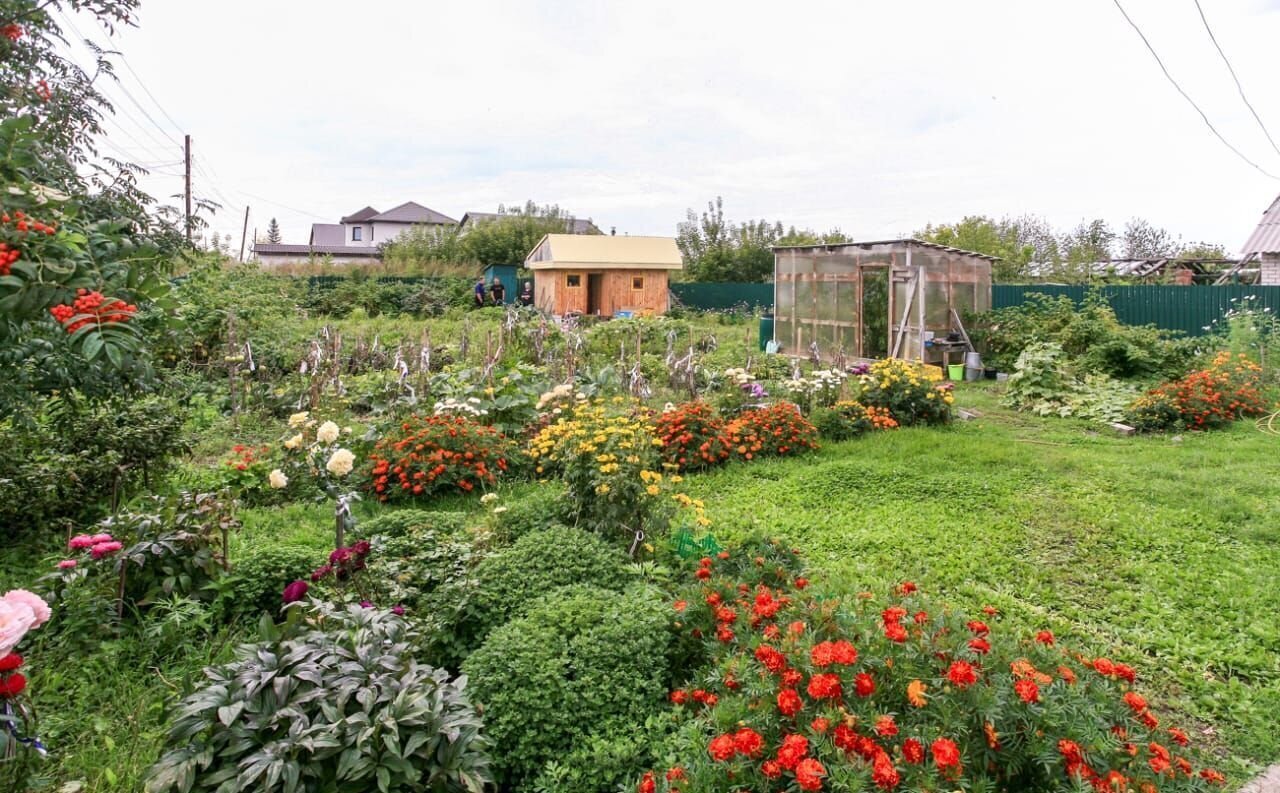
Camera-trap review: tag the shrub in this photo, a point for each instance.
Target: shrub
(1230, 389)
(848, 419)
(607, 454)
(397, 523)
(253, 586)
(533, 511)
(910, 392)
(1043, 384)
(777, 430)
(692, 437)
(505, 399)
(583, 662)
(894, 691)
(324, 723)
(407, 568)
(439, 454)
(504, 584)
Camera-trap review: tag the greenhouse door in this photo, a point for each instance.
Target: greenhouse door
(907, 312)
(874, 311)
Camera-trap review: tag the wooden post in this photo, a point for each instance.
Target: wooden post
(244, 232)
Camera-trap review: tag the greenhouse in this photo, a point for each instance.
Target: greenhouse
(899, 298)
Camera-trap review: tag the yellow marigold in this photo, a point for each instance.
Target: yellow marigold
(653, 490)
(603, 489)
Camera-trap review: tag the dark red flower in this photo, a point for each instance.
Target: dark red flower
(10, 662)
(647, 783)
(1045, 638)
(864, 685)
(913, 751)
(12, 685)
(789, 702)
(1027, 691)
(945, 754)
(883, 772)
(295, 591)
(962, 674)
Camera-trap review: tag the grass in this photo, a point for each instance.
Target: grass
(1159, 552)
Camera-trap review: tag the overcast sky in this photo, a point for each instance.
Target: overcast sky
(877, 117)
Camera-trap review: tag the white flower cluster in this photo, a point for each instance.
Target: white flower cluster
(738, 376)
(561, 393)
(822, 380)
(469, 406)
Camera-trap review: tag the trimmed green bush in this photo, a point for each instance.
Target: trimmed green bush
(584, 663)
(259, 575)
(401, 521)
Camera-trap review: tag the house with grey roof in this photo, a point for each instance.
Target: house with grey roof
(357, 237)
(571, 225)
(1264, 246)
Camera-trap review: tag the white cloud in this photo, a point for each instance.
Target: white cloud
(876, 117)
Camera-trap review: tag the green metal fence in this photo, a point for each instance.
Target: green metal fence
(709, 296)
(1190, 309)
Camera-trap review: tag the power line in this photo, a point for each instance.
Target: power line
(1187, 97)
(1239, 87)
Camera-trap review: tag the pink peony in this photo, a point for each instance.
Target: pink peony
(104, 548)
(67, 564)
(80, 542)
(32, 601)
(295, 591)
(15, 620)
(97, 538)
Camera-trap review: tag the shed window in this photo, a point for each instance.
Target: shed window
(573, 280)
(637, 282)
(356, 233)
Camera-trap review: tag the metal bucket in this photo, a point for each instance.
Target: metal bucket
(972, 374)
(972, 360)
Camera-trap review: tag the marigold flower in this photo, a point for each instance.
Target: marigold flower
(789, 702)
(809, 774)
(647, 783)
(1045, 638)
(978, 627)
(1066, 674)
(826, 653)
(864, 685)
(793, 749)
(676, 773)
(915, 693)
(1027, 691)
(680, 605)
(824, 686)
(980, 646)
(1135, 701)
(772, 659)
(962, 674)
(678, 697)
(722, 748)
(883, 772)
(1179, 737)
(894, 632)
(771, 769)
(1213, 776)
(945, 754)
(913, 751)
(820, 724)
(886, 727)
(993, 737)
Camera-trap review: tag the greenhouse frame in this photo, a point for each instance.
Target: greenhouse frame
(864, 300)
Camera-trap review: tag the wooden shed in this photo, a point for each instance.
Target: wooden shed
(602, 275)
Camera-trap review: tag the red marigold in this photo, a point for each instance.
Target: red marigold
(913, 751)
(796, 628)
(962, 674)
(792, 677)
(978, 627)
(680, 605)
(772, 659)
(789, 702)
(1027, 691)
(864, 685)
(1126, 673)
(945, 754)
(1149, 719)
(820, 724)
(801, 583)
(647, 783)
(726, 615)
(921, 617)
(1104, 667)
(676, 773)
(1213, 776)
(883, 772)
(748, 742)
(722, 748)
(894, 632)
(771, 769)
(844, 737)
(841, 652)
(1045, 638)
(1135, 701)
(824, 686)
(907, 587)
(809, 774)
(893, 614)
(1179, 737)
(980, 646)
(886, 727)
(766, 606)
(679, 697)
(1066, 674)
(793, 749)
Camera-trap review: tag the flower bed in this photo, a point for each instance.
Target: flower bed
(889, 691)
(1229, 389)
(910, 392)
(439, 454)
(775, 431)
(692, 437)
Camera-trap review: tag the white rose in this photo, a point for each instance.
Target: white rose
(277, 479)
(298, 419)
(488, 498)
(328, 432)
(340, 462)
(294, 442)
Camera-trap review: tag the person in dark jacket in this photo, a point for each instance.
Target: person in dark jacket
(498, 292)
(526, 294)
(480, 293)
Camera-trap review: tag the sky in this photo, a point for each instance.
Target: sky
(874, 117)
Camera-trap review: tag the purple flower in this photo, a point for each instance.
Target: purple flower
(398, 610)
(361, 548)
(364, 604)
(321, 572)
(755, 390)
(339, 556)
(860, 369)
(295, 591)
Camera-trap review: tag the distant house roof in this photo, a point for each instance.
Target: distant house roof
(597, 251)
(572, 225)
(327, 234)
(360, 216)
(410, 212)
(317, 250)
(1266, 237)
(905, 241)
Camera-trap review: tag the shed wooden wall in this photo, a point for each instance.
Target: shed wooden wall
(616, 293)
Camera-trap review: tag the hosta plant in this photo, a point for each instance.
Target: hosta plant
(338, 705)
(888, 691)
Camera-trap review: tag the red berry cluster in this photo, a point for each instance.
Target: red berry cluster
(11, 32)
(22, 224)
(92, 309)
(7, 257)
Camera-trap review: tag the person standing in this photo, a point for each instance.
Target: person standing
(480, 293)
(526, 294)
(498, 292)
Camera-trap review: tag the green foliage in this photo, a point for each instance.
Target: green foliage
(509, 238)
(1042, 383)
(716, 249)
(258, 576)
(583, 662)
(324, 723)
(73, 455)
(400, 522)
(540, 508)
(505, 584)
(504, 398)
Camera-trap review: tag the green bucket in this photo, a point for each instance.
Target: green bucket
(955, 371)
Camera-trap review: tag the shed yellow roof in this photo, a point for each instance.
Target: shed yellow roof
(606, 252)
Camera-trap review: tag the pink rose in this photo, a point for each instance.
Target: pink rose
(97, 538)
(67, 564)
(15, 620)
(104, 548)
(80, 541)
(32, 601)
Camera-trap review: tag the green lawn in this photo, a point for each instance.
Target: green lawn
(1163, 553)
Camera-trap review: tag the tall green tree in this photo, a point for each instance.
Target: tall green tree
(273, 232)
(715, 249)
(981, 234)
(510, 237)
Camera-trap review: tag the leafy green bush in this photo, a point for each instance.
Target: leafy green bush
(1042, 383)
(346, 709)
(848, 419)
(583, 662)
(396, 523)
(538, 509)
(257, 577)
(505, 584)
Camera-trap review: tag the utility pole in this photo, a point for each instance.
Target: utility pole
(244, 231)
(187, 182)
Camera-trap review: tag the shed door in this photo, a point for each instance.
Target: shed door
(906, 308)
